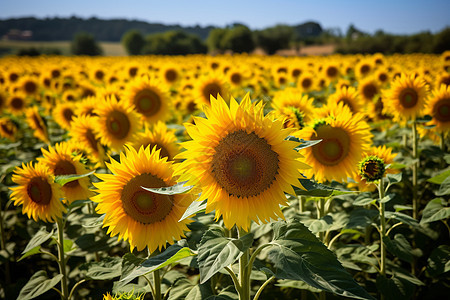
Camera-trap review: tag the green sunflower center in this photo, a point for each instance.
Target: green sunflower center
(144, 206)
(65, 167)
(334, 147)
(39, 191)
(442, 110)
(244, 164)
(408, 98)
(118, 124)
(148, 102)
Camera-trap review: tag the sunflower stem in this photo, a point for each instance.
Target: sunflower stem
(415, 171)
(244, 273)
(320, 215)
(157, 285)
(3, 247)
(301, 204)
(62, 259)
(382, 228)
(258, 293)
(92, 211)
(442, 141)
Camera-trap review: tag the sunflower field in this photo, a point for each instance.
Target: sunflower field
(225, 177)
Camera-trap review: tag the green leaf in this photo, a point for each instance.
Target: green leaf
(439, 262)
(199, 292)
(401, 217)
(387, 198)
(434, 211)
(321, 225)
(438, 179)
(297, 284)
(38, 285)
(68, 245)
(394, 288)
(216, 251)
(30, 252)
(194, 208)
(171, 255)
(63, 179)
(180, 289)
(400, 247)
(394, 178)
(38, 239)
(424, 119)
(107, 268)
(297, 254)
(94, 222)
(314, 189)
(363, 199)
(444, 189)
(178, 188)
(229, 293)
(129, 264)
(303, 143)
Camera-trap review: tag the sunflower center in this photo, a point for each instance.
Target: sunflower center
(408, 98)
(369, 90)
(65, 167)
(144, 206)
(382, 77)
(17, 103)
(211, 89)
(334, 147)
(39, 191)
(37, 122)
(306, 83)
(118, 124)
(171, 75)
(147, 102)
(442, 110)
(30, 87)
(164, 152)
(332, 72)
(99, 75)
(68, 114)
(244, 164)
(7, 128)
(365, 69)
(347, 102)
(90, 137)
(236, 78)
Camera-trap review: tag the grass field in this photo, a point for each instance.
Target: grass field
(11, 47)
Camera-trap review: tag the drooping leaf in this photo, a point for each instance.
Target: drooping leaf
(297, 254)
(363, 199)
(444, 189)
(94, 222)
(439, 262)
(402, 218)
(194, 208)
(38, 239)
(31, 252)
(171, 255)
(435, 211)
(216, 251)
(63, 179)
(38, 284)
(178, 188)
(303, 143)
(438, 179)
(315, 189)
(394, 178)
(107, 268)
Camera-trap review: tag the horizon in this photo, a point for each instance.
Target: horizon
(415, 17)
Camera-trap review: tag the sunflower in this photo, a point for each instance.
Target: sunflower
(331, 71)
(63, 114)
(406, 98)
(170, 74)
(439, 108)
(295, 107)
(368, 88)
(61, 161)
(306, 82)
(159, 136)
(345, 137)
(83, 133)
(3, 101)
(348, 96)
(209, 85)
(443, 78)
(29, 85)
(87, 106)
(363, 68)
(137, 215)
(37, 193)
(37, 124)
(8, 129)
(240, 160)
(117, 123)
(149, 98)
(17, 103)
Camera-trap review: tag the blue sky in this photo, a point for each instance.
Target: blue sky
(394, 16)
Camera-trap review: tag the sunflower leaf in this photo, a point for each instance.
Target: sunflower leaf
(194, 208)
(438, 179)
(30, 252)
(315, 189)
(107, 268)
(216, 251)
(435, 211)
(303, 143)
(171, 255)
(38, 239)
(297, 254)
(63, 179)
(38, 285)
(178, 188)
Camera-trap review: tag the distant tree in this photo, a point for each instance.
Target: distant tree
(28, 52)
(274, 38)
(133, 41)
(238, 39)
(84, 44)
(173, 43)
(215, 38)
(441, 41)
